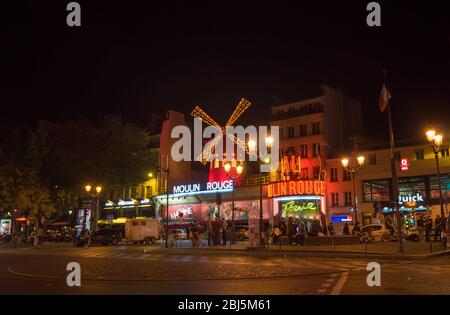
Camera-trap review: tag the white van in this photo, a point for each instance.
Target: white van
(142, 230)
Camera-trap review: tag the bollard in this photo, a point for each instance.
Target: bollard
(365, 245)
(431, 245)
(332, 240)
(306, 242)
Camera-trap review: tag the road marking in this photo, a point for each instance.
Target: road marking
(330, 280)
(321, 290)
(340, 284)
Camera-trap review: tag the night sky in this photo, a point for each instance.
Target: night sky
(131, 58)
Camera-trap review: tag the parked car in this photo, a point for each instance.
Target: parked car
(103, 237)
(379, 232)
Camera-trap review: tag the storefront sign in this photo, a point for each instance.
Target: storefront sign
(126, 203)
(299, 209)
(404, 164)
(341, 218)
(184, 212)
(298, 187)
(410, 198)
(209, 187)
(290, 165)
(5, 226)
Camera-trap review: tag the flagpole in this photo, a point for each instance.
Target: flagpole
(395, 180)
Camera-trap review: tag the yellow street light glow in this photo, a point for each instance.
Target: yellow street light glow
(88, 188)
(239, 169)
(150, 174)
(269, 142)
(251, 144)
(344, 162)
(430, 135)
(438, 140)
(227, 167)
(360, 160)
(98, 189)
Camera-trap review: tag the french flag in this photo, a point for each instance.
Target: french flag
(384, 98)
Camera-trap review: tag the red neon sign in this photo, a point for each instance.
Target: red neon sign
(404, 164)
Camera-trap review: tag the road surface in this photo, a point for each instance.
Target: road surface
(131, 270)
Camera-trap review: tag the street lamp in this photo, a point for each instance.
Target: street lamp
(166, 170)
(353, 167)
(94, 197)
(251, 144)
(239, 170)
(435, 141)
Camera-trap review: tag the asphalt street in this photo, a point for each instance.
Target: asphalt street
(138, 270)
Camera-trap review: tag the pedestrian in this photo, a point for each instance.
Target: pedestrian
(345, 229)
(217, 230)
(209, 231)
(87, 238)
(276, 234)
(290, 229)
(350, 228)
(356, 229)
(420, 227)
(330, 228)
(224, 227)
(438, 225)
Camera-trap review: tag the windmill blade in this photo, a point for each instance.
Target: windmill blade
(238, 141)
(207, 152)
(239, 110)
(199, 113)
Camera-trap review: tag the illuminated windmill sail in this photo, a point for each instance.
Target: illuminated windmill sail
(209, 151)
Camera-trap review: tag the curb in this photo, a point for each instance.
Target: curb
(293, 253)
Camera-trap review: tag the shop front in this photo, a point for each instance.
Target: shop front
(301, 200)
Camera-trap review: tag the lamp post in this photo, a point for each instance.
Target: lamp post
(262, 160)
(353, 167)
(435, 141)
(165, 170)
(94, 197)
(239, 169)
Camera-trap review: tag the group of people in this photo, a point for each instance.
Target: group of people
(217, 231)
(425, 224)
(35, 238)
(296, 231)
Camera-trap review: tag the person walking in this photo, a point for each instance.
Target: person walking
(87, 238)
(330, 229)
(224, 227)
(346, 229)
(438, 228)
(420, 227)
(290, 229)
(209, 231)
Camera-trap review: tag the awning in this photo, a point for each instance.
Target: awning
(61, 223)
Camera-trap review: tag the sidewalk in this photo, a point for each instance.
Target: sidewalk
(413, 250)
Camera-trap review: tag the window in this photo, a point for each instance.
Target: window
(316, 171)
(303, 150)
(133, 192)
(348, 198)
(346, 175)
(333, 174)
(304, 173)
(290, 132)
(334, 199)
(315, 128)
(148, 192)
(376, 190)
(303, 130)
(419, 154)
(316, 149)
(444, 152)
(372, 159)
